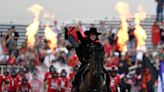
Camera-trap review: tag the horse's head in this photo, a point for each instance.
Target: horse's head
(96, 62)
(94, 80)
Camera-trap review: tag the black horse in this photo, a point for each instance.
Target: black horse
(94, 79)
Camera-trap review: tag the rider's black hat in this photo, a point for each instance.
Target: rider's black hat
(92, 31)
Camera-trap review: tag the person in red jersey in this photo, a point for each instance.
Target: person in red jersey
(22, 73)
(12, 60)
(113, 61)
(114, 79)
(36, 84)
(51, 71)
(48, 75)
(155, 34)
(72, 75)
(24, 86)
(13, 81)
(73, 72)
(73, 60)
(54, 83)
(1, 81)
(64, 81)
(5, 86)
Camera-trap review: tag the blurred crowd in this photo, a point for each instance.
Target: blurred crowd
(41, 68)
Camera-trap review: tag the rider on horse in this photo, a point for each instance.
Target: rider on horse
(84, 52)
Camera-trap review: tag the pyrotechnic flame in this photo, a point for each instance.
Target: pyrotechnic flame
(123, 9)
(31, 32)
(33, 28)
(140, 15)
(51, 37)
(35, 9)
(139, 32)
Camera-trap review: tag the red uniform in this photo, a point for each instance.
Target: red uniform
(71, 78)
(72, 75)
(12, 60)
(155, 35)
(64, 84)
(13, 83)
(53, 84)
(73, 60)
(113, 61)
(1, 82)
(72, 31)
(5, 86)
(24, 87)
(114, 83)
(107, 49)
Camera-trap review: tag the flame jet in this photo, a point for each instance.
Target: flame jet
(139, 32)
(51, 37)
(33, 28)
(122, 36)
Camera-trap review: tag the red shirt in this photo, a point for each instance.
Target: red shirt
(72, 75)
(72, 31)
(24, 87)
(113, 61)
(13, 83)
(155, 35)
(5, 50)
(114, 83)
(107, 49)
(53, 84)
(1, 82)
(5, 86)
(64, 84)
(12, 60)
(73, 60)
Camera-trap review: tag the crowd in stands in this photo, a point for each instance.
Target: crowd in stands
(39, 73)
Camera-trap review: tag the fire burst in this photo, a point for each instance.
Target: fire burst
(139, 32)
(33, 28)
(51, 37)
(123, 10)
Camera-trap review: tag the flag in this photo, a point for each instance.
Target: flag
(161, 75)
(152, 72)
